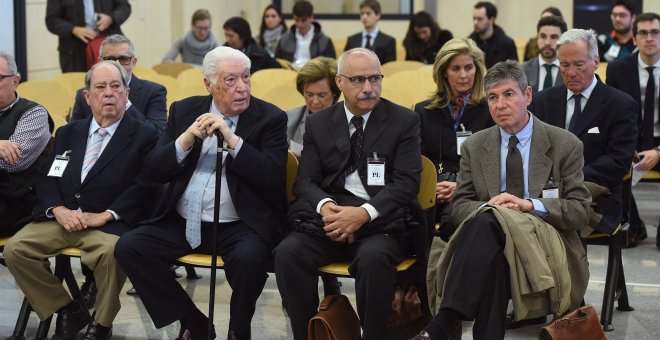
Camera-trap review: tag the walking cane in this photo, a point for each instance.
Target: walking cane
(216, 219)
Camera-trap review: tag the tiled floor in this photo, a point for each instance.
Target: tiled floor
(270, 322)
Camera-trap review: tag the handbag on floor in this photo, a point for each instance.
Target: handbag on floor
(579, 324)
(336, 320)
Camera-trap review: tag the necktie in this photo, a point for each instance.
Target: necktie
(514, 170)
(649, 102)
(577, 110)
(356, 149)
(93, 151)
(368, 43)
(547, 83)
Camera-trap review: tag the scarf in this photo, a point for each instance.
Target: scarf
(271, 37)
(457, 105)
(193, 50)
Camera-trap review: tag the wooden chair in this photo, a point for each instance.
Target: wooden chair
(55, 97)
(393, 67)
(72, 80)
(285, 97)
(264, 80)
(339, 44)
(191, 76)
(285, 64)
(408, 88)
(171, 69)
(142, 71)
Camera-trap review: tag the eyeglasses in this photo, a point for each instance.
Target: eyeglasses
(201, 29)
(360, 80)
(652, 33)
(3, 76)
(124, 60)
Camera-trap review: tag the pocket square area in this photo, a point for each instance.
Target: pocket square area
(594, 130)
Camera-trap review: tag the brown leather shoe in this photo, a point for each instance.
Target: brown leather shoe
(197, 334)
(231, 335)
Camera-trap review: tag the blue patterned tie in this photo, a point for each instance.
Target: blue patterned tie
(195, 191)
(93, 151)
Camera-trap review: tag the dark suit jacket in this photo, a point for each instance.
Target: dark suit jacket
(438, 131)
(624, 75)
(117, 180)
(607, 153)
(384, 46)
(256, 177)
(63, 15)
(531, 68)
(147, 99)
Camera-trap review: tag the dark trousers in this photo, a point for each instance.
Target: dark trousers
(146, 254)
(477, 285)
(373, 264)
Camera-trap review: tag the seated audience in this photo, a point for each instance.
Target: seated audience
(619, 43)
(532, 49)
(490, 38)
(195, 44)
(239, 36)
(252, 198)
(371, 37)
(543, 71)
(305, 40)
(456, 110)
(502, 199)
(25, 129)
(95, 190)
(424, 38)
(271, 29)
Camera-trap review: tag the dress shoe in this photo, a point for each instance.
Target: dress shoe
(88, 292)
(197, 334)
(96, 331)
(511, 324)
(231, 335)
(424, 335)
(70, 322)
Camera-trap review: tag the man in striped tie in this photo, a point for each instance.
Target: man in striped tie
(91, 191)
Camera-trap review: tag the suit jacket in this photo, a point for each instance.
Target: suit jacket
(256, 177)
(438, 131)
(611, 116)
(554, 153)
(147, 103)
(63, 15)
(117, 181)
(531, 68)
(384, 46)
(624, 75)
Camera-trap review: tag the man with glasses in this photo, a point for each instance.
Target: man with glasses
(147, 100)
(619, 43)
(357, 182)
(25, 130)
(639, 76)
(252, 198)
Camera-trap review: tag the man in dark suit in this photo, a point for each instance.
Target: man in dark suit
(252, 198)
(520, 178)
(363, 187)
(639, 76)
(543, 71)
(605, 119)
(147, 99)
(491, 38)
(94, 190)
(76, 25)
(372, 38)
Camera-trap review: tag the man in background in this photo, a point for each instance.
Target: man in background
(371, 37)
(489, 37)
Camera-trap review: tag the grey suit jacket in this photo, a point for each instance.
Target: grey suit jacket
(554, 153)
(531, 68)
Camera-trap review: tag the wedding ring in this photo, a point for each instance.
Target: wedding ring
(336, 232)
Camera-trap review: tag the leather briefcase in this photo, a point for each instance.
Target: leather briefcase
(580, 324)
(336, 320)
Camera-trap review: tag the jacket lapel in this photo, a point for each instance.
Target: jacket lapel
(78, 148)
(591, 110)
(532, 69)
(375, 126)
(540, 165)
(248, 121)
(339, 132)
(490, 162)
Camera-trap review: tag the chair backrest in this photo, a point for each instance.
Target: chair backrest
(291, 173)
(171, 69)
(59, 122)
(393, 67)
(55, 97)
(72, 80)
(285, 64)
(408, 88)
(191, 76)
(142, 71)
(285, 97)
(266, 79)
(426, 194)
(601, 71)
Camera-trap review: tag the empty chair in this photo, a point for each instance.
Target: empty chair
(72, 80)
(171, 69)
(55, 97)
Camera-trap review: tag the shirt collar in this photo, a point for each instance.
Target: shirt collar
(586, 93)
(3, 109)
(524, 135)
(308, 35)
(111, 128)
(349, 115)
(373, 34)
(643, 66)
(542, 62)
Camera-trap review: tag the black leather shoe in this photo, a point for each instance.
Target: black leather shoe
(510, 324)
(69, 323)
(231, 335)
(424, 335)
(88, 292)
(196, 334)
(96, 331)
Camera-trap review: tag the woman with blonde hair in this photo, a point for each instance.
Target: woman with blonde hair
(456, 110)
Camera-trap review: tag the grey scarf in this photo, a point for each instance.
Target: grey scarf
(193, 50)
(271, 37)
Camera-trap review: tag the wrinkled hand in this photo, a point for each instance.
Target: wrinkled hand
(104, 22)
(71, 220)
(9, 151)
(83, 33)
(650, 158)
(444, 191)
(509, 201)
(95, 220)
(342, 223)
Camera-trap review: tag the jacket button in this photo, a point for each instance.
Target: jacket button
(77, 195)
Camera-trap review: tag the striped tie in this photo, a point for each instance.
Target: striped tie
(93, 151)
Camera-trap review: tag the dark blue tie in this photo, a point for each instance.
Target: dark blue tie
(357, 140)
(577, 110)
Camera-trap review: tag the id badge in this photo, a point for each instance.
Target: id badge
(461, 136)
(613, 52)
(375, 171)
(551, 189)
(59, 164)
